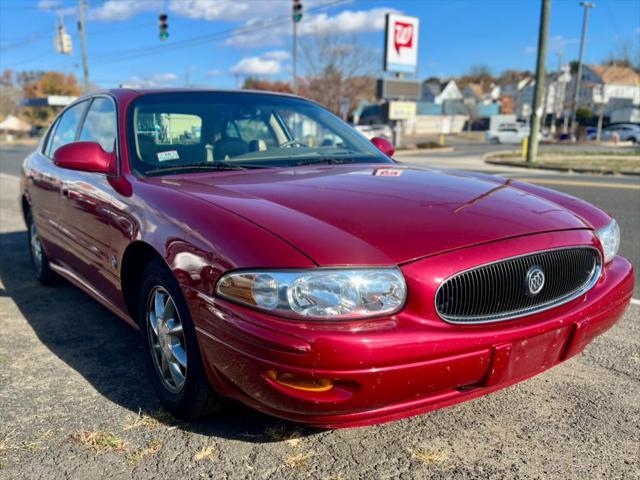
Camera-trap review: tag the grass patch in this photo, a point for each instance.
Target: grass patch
(429, 145)
(292, 437)
(38, 443)
(152, 448)
(100, 441)
(575, 161)
(8, 442)
(205, 453)
(300, 460)
(575, 153)
(429, 457)
(151, 421)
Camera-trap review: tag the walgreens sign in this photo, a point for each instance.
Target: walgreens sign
(401, 43)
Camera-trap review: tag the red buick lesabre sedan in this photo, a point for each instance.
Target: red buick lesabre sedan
(269, 253)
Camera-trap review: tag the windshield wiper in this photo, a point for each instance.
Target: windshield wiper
(198, 166)
(327, 160)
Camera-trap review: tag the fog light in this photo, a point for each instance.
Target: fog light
(300, 383)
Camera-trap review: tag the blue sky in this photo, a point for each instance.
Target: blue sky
(218, 42)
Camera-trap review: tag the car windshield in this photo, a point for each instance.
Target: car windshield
(174, 132)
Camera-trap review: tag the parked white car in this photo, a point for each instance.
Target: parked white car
(507, 133)
(627, 132)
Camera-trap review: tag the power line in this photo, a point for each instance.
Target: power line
(115, 57)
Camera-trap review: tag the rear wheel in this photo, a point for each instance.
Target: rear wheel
(39, 259)
(495, 140)
(171, 350)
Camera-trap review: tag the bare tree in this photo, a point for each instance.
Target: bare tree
(626, 54)
(10, 95)
(336, 66)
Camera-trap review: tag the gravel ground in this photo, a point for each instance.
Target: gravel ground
(75, 403)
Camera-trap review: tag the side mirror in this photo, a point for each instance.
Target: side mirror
(84, 156)
(384, 145)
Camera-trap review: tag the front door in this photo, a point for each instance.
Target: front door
(84, 208)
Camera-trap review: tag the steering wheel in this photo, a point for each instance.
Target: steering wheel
(292, 143)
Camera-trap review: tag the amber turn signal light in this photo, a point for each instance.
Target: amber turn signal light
(300, 383)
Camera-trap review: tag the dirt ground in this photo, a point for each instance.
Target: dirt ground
(75, 403)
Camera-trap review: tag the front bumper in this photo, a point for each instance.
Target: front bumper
(394, 367)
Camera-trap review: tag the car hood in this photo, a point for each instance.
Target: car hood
(377, 215)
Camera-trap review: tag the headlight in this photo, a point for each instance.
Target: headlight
(331, 294)
(610, 239)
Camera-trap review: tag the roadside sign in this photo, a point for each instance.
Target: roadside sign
(398, 89)
(402, 110)
(401, 43)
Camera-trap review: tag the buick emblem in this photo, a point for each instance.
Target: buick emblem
(534, 281)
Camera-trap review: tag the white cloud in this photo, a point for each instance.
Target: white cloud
(55, 6)
(157, 80)
(256, 66)
(214, 73)
(118, 10)
(346, 22)
(280, 55)
(237, 10)
(555, 44)
(227, 10)
(48, 4)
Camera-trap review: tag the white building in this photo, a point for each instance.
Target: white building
(609, 87)
(433, 92)
(478, 94)
(555, 94)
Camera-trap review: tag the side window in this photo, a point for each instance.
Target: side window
(66, 128)
(100, 124)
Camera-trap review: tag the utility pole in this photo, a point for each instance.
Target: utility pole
(294, 58)
(532, 147)
(576, 92)
(83, 44)
(296, 16)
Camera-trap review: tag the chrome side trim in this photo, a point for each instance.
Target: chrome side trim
(511, 315)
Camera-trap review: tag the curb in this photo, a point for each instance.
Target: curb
(423, 150)
(486, 159)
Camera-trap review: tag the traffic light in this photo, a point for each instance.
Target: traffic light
(162, 23)
(62, 41)
(297, 10)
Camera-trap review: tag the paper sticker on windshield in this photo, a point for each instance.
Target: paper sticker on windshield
(168, 155)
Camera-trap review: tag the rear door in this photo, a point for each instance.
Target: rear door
(85, 201)
(45, 181)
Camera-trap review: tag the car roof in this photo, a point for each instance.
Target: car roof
(132, 91)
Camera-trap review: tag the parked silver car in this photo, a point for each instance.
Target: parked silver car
(627, 132)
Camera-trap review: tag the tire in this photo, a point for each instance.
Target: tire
(633, 140)
(39, 259)
(495, 141)
(194, 398)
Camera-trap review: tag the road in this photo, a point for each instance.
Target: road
(75, 402)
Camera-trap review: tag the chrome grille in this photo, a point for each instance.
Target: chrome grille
(499, 291)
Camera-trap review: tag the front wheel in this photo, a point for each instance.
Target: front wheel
(495, 140)
(170, 347)
(39, 259)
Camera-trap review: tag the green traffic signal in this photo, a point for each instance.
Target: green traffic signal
(164, 35)
(297, 17)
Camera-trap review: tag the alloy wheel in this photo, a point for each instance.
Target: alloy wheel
(166, 338)
(36, 247)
